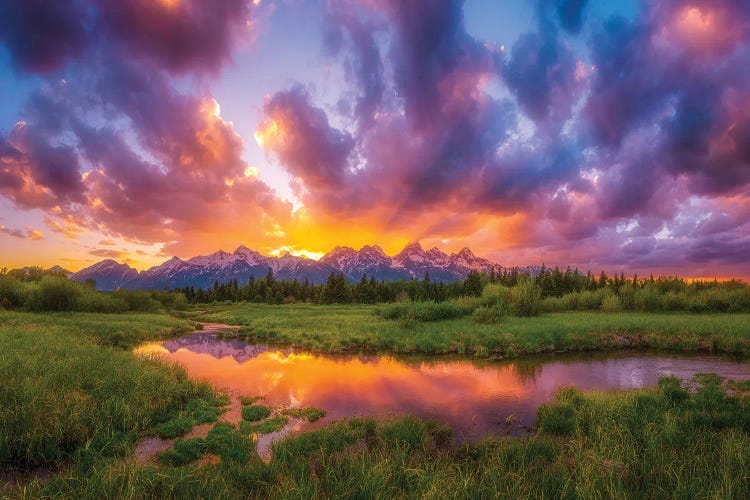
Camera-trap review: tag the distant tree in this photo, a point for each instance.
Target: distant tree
(473, 284)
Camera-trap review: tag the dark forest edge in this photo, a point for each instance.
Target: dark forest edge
(490, 297)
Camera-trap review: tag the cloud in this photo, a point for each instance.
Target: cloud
(178, 35)
(301, 137)
(29, 234)
(108, 253)
(40, 36)
(620, 142)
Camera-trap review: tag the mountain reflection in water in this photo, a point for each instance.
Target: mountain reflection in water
(472, 396)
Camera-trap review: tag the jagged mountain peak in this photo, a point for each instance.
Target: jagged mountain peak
(465, 252)
(202, 271)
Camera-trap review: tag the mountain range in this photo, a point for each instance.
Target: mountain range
(202, 271)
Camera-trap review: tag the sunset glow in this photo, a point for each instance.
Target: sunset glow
(604, 135)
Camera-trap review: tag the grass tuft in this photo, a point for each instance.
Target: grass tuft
(311, 414)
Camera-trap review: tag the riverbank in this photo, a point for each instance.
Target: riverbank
(73, 395)
(74, 402)
(357, 328)
(657, 443)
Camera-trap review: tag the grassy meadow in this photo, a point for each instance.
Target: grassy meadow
(74, 395)
(666, 442)
(360, 327)
(75, 401)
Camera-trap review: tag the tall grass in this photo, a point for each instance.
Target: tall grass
(65, 398)
(664, 442)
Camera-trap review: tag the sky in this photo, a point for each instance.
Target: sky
(601, 134)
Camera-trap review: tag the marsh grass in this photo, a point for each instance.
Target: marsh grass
(248, 400)
(310, 413)
(357, 328)
(267, 426)
(67, 397)
(255, 413)
(680, 439)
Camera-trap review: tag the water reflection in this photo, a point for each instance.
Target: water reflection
(474, 397)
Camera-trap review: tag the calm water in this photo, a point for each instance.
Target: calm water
(474, 397)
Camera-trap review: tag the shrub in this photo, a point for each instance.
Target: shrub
(392, 311)
(54, 294)
(436, 311)
(648, 299)
(420, 311)
(13, 292)
(526, 299)
(138, 300)
(495, 293)
(627, 297)
(676, 301)
(490, 314)
(466, 304)
(611, 304)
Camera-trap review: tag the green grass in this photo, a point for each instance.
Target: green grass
(254, 413)
(68, 398)
(267, 426)
(248, 400)
(666, 442)
(184, 452)
(354, 328)
(118, 330)
(311, 414)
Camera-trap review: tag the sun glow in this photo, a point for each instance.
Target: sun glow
(267, 132)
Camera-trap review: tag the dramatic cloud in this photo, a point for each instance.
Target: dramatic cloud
(596, 141)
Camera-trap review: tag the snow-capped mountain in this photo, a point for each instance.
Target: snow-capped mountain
(370, 260)
(291, 267)
(108, 274)
(439, 265)
(203, 271)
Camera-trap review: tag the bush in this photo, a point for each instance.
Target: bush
(627, 297)
(526, 299)
(54, 294)
(676, 301)
(495, 293)
(138, 300)
(420, 311)
(392, 311)
(467, 304)
(436, 311)
(13, 293)
(491, 314)
(648, 299)
(611, 304)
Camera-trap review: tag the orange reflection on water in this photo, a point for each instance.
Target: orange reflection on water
(473, 397)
